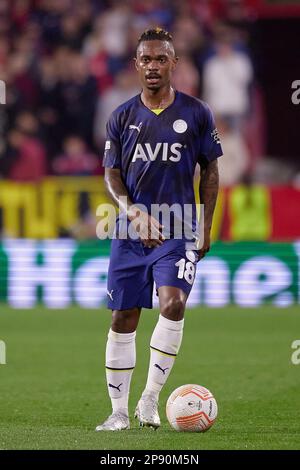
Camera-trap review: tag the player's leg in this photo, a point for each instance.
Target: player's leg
(174, 274)
(129, 288)
(164, 346)
(166, 338)
(120, 356)
(120, 361)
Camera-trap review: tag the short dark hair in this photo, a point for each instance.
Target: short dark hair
(157, 34)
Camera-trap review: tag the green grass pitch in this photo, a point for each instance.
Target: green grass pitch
(53, 392)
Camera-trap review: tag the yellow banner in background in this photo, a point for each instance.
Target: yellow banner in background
(50, 208)
(55, 206)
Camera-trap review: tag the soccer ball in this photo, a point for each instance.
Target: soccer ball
(191, 408)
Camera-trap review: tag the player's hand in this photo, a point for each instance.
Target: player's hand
(147, 227)
(205, 246)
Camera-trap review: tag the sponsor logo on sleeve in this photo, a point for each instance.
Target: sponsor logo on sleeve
(215, 135)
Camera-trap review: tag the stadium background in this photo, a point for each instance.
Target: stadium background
(66, 65)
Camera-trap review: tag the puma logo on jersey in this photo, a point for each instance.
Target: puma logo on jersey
(137, 128)
(162, 151)
(160, 368)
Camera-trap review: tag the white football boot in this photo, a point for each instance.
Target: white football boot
(115, 422)
(147, 411)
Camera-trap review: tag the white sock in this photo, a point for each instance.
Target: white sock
(120, 362)
(164, 346)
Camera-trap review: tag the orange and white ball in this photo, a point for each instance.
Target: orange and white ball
(191, 408)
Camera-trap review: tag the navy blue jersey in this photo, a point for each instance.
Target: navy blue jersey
(157, 154)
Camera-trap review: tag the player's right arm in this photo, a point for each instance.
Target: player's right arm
(148, 228)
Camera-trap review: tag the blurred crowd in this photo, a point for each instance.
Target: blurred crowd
(67, 64)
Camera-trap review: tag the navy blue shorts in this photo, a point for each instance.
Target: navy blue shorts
(133, 269)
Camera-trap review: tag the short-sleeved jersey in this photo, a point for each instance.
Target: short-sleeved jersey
(157, 154)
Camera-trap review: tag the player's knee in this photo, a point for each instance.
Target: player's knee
(124, 321)
(173, 309)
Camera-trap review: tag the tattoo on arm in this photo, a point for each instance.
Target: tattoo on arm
(208, 190)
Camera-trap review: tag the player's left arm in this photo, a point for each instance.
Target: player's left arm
(208, 191)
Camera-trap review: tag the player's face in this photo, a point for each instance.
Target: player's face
(155, 61)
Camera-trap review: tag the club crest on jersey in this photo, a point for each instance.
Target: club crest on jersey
(180, 126)
(162, 151)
